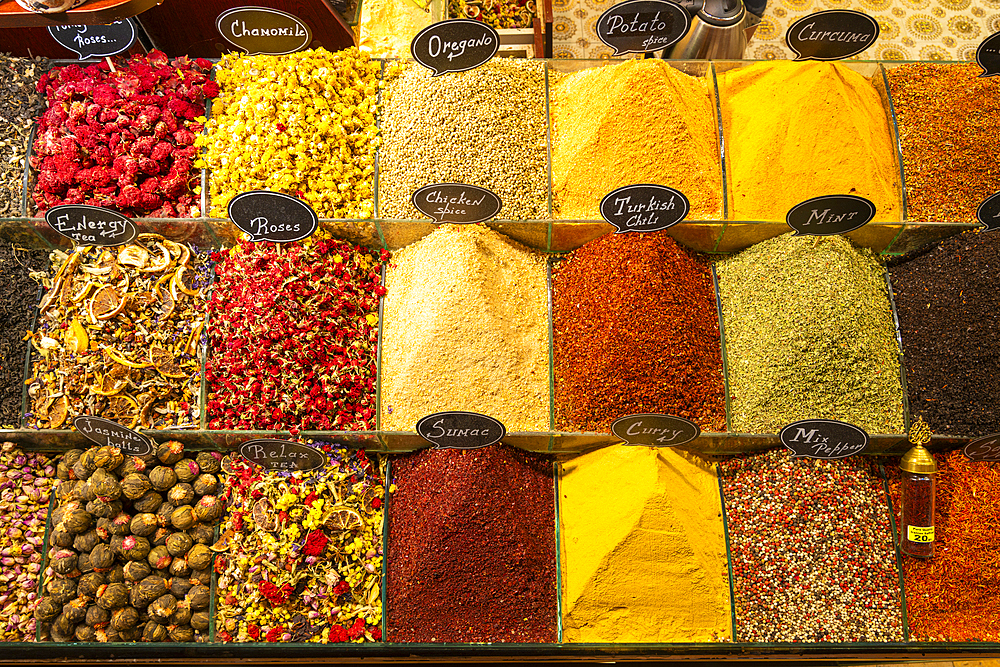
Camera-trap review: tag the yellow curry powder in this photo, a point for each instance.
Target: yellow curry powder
(641, 121)
(795, 131)
(643, 548)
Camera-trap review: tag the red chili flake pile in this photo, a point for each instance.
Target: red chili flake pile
(812, 552)
(636, 330)
(122, 137)
(294, 336)
(472, 547)
(955, 596)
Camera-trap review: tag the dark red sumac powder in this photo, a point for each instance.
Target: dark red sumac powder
(472, 547)
(635, 330)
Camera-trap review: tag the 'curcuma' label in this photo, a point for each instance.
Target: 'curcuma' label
(455, 46)
(832, 35)
(277, 455)
(91, 225)
(460, 430)
(105, 432)
(263, 30)
(654, 430)
(642, 26)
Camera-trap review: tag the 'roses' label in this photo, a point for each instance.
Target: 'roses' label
(832, 35)
(263, 30)
(460, 430)
(823, 439)
(95, 41)
(654, 430)
(455, 46)
(105, 432)
(830, 215)
(642, 26)
(456, 203)
(272, 216)
(91, 225)
(278, 455)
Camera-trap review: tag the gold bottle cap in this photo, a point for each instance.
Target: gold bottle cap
(918, 460)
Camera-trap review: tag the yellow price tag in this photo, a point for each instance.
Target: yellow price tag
(922, 534)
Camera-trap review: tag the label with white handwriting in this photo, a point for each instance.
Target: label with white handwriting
(988, 212)
(263, 30)
(654, 430)
(644, 208)
(460, 430)
(457, 45)
(456, 202)
(95, 41)
(272, 216)
(832, 35)
(988, 55)
(986, 448)
(642, 26)
(830, 214)
(91, 225)
(282, 455)
(823, 439)
(105, 432)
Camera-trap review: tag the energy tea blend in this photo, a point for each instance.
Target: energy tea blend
(812, 552)
(302, 552)
(485, 127)
(119, 336)
(18, 296)
(643, 548)
(123, 136)
(820, 128)
(472, 547)
(953, 596)
(947, 118)
(948, 311)
(302, 124)
(466, 328)
(636, 330)
(20, 105)
(809, 335)
(640, 121)
(294, 336)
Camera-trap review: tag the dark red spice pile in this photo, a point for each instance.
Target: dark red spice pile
(122, 138)
(955, 596)
(472, 547)
(636, 330)
(294, 336)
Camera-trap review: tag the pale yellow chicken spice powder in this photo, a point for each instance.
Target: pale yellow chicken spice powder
(641, 121)
(465, 327)
(643, 548)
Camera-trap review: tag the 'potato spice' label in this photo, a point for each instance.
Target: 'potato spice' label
(832, 35)
(455, 46)
(642, 26)
(91, 225)
(105, 432)
(823, 439)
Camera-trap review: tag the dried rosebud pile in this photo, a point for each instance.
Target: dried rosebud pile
(125, 562)
(123, 137)
(119, 336)
(25, 485)
(294, 336)
(304, 561)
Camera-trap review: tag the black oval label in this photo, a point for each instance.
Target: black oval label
(105, 432)
(460, 430)
(988, 55)
(986, 448)
(263, 30)
(455, 46)
(830, 215)
(988, 212)
(91, 225)
(95, 41)
(642, 26)
(823, 439)
(457, 203)
(272, 216)
(282, 455)
(654, 430)
(834, 34)
(644, 208)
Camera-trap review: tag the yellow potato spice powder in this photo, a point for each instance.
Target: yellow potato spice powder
(643, 548)
(641, 121)
(465, 327)
(794, 131)
(302, 124)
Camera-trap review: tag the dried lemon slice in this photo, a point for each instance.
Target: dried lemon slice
(224, 541)
(105, 304)
(179, 251)
(76, 339)
(118, 357)
(177, 282)
(264, 516)
(122, 409)
(58, 412)
(343, 519)
(133, 255)
(157, 262)
(165, 363)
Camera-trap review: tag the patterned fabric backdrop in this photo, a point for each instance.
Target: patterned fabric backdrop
(910, 29)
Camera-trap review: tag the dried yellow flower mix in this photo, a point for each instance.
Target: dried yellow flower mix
(302, 124)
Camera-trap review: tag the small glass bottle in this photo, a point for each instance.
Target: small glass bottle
(916, 526)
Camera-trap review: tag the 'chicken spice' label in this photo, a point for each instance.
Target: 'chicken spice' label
(457, 203)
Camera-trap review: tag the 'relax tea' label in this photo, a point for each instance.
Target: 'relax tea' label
(282, 455)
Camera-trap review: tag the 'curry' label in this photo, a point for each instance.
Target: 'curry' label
(830, 215)
(654, 430)
(823, 439)
(642, 26)
(278, 455)
(456, 203)
(105, 432)
(644, 208)
(91, 225)
(460, 430)
(455, 46)
(263, 30)
(832, 35)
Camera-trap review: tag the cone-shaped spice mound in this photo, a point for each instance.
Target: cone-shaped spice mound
(643, 548)
(641, 121)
